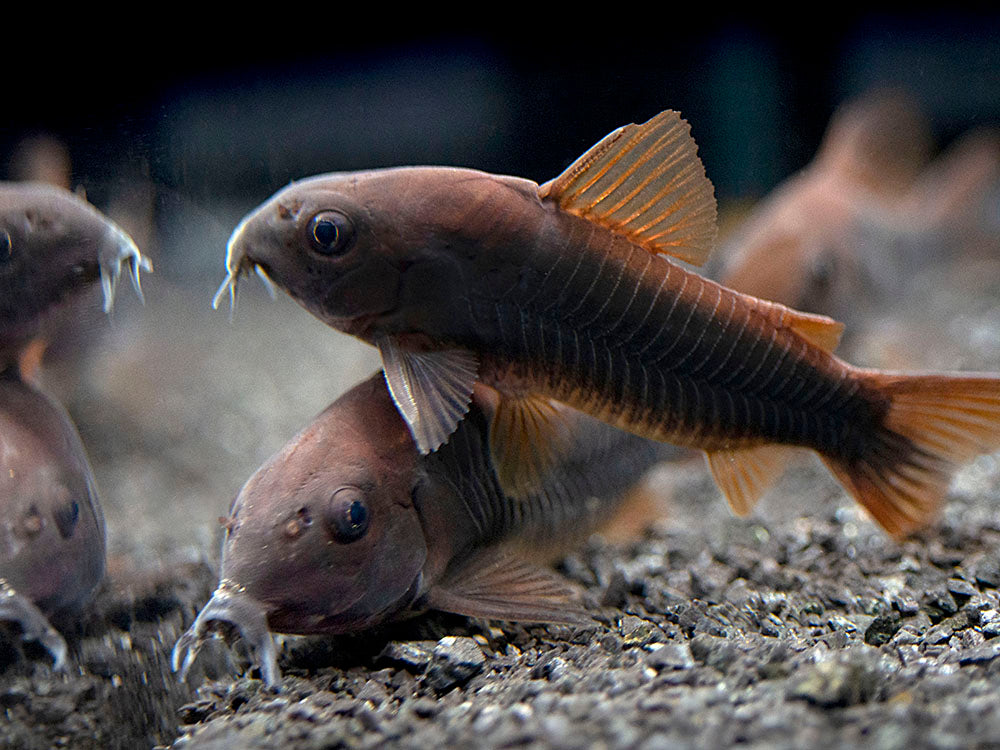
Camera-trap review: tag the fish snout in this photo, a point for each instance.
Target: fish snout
(240, 261)
(235, 613)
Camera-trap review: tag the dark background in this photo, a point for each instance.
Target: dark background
(233, 112)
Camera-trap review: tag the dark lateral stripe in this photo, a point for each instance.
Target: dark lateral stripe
(648, 340)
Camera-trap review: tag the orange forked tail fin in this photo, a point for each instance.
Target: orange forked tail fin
(935, 424)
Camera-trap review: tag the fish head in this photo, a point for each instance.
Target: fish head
(52, 538)
(325, 536)
(54, 244)
(317, 241)
(369, 253)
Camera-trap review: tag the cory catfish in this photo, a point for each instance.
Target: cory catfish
(51, 525)
(479, 285)
(53, 244)
(348, 526)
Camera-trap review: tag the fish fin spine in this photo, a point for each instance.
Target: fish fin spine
(646, 183)
(934, 424)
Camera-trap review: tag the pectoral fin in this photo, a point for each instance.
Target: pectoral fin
(647, 183)
(432, 389)
(744, 475)
(528, 435)
(495, 585)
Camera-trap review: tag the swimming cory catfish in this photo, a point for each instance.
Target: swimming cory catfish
(349, 526)
(478, 285)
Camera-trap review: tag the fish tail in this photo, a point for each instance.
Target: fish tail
(933, 425)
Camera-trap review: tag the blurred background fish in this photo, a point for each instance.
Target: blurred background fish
(848, 235)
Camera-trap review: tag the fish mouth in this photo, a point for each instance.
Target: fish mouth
(238, 264)
(118, 250)
(235, 613)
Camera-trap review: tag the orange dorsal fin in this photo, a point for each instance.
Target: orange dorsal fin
(744, 475)
(647, 183)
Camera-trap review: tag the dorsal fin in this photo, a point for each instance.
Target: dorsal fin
(647, 183)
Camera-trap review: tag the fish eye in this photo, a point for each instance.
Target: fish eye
(331, 233)
(347, 515)
(6, 247)
(66, 517)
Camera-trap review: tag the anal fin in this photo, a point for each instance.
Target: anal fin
(745, 474)
(495, 585)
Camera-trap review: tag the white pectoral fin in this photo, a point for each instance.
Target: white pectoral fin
(431, 389)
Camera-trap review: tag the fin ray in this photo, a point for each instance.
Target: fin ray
(432, 390)
(647, 183)
(495, 585)
(934, 425)
(745, 474)
(528, 435)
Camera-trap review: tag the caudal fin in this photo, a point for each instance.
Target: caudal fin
(934, 425)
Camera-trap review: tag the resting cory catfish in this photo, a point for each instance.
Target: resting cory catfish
(477, 284)
(348, 526)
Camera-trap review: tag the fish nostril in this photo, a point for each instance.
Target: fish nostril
(296, 525)
(289, 210)
(33, 523)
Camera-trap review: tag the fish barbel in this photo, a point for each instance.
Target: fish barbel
(474, 284)
(349, 526)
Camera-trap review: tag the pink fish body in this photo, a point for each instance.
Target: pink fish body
(349, 526)
(52, 537)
